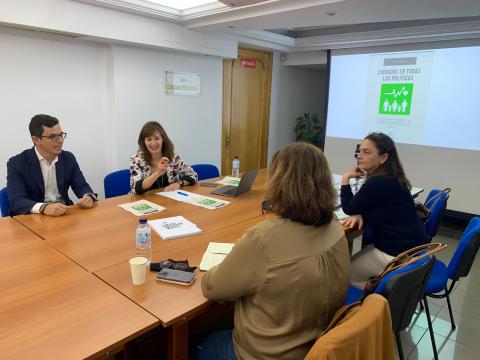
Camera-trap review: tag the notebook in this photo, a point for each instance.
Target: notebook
(244, 186)
(214, 255)
(174, 227)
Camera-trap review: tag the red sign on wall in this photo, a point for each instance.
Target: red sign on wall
(248, 63)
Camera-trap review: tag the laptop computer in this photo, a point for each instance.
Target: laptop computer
(245, 185)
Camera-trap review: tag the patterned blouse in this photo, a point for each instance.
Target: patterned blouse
(139, 170)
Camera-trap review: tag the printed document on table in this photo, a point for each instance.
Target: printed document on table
(337, 180)
(206, 202)
(174, 227)
(229, 180)
(142, 207)
(415, 191)
(340, 214)
(214, 255)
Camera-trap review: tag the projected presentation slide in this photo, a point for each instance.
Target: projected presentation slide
(428, 97)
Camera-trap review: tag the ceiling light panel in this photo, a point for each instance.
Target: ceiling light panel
(182, 4)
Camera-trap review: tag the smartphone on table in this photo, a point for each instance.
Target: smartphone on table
(176, 276)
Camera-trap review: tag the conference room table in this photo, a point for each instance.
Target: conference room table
(104, 235)
(102, 240)
(50, 308)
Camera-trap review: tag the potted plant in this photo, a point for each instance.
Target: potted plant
(308, 129)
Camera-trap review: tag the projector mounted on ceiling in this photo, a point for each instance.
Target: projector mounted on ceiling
(237, 3)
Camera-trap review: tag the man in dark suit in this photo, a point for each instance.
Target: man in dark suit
(38, 179)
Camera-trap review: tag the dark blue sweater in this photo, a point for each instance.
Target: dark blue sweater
(388, 211)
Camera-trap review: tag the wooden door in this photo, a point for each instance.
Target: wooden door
(246, 109)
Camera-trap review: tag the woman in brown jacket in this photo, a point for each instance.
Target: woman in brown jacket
(287, 275)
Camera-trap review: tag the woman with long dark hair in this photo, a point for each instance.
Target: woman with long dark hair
(383, 205)
(155, 165)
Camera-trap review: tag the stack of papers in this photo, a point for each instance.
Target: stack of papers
(206, 202)
(174, 227)
(337, 181)
(337, 184)
(415, 191)
(214, 255)
(229, 180)
(142, 207)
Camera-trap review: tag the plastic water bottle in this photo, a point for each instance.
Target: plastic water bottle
(144, 240)
(236, 167)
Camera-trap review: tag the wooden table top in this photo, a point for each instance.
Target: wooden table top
(102, 240)
(50, 308)
(173, 303)
(75, 314)
(105, 235)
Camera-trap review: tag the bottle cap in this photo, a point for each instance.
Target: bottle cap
(143, 220)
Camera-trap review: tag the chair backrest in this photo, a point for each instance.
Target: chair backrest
(117, 183)
(206, 171)
(437, 209)
(357, 331)
(404, 288)
(4, 203)
(462, 260)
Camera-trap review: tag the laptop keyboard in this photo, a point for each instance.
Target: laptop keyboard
(231, 191)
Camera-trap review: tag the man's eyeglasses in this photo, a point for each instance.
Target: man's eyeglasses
(55, 137)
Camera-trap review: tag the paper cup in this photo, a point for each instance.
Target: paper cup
(138, 268)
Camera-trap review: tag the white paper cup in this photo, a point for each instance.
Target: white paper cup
(138, 267)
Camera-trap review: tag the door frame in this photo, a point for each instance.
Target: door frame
(227, 109)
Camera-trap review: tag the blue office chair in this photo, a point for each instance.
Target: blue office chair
(404, 288)
(117, 183)
(437, 208)
(206, 171)
(4, 203)
(459, 265)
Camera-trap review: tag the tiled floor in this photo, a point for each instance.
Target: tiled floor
(463, 343)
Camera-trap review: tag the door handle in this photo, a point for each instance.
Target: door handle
(227, 142)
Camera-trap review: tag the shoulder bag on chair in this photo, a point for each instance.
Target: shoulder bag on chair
(408, 257)
(424, 210)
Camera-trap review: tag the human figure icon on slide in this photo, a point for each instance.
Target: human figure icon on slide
(395, 105)
(386, 105)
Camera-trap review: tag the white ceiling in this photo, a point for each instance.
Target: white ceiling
(288, 14)
(348, 12)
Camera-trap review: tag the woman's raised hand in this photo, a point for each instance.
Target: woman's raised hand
(162, 165)
(354, 221)
(352, 173)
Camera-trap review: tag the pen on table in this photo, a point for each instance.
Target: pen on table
(182, 193)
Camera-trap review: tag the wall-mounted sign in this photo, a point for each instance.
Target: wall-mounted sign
(248, 63)
(179, 83)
